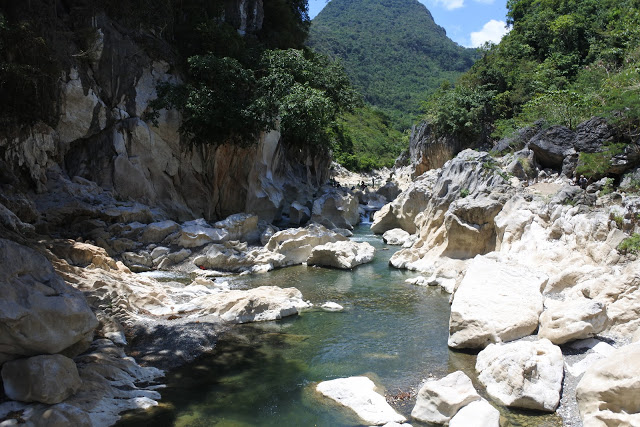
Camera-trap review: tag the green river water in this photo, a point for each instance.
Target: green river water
(264, 374)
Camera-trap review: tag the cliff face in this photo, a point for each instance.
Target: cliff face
(101, 135)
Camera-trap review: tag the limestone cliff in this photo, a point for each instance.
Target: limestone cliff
(101, 135)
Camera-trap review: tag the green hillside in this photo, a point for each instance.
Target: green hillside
(393, 51)
(564, 61)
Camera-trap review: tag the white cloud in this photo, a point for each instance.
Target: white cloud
(491, 32)
(451, 4)
(485, 1)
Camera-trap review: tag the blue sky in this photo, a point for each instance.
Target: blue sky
(467, 22)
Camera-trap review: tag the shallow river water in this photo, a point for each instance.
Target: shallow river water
(265, 374)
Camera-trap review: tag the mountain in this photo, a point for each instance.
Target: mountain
(394, 52)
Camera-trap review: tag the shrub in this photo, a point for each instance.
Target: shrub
(630, 244)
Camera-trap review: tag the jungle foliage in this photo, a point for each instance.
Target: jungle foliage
(563, 61)
(393, 51)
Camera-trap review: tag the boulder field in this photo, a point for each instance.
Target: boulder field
(535, 271)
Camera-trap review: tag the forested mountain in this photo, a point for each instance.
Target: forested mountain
(393, 51)
(563, 61)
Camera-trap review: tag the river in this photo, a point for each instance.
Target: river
(264, 374)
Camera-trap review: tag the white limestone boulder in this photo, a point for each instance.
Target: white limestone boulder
(344, 255)
(609, 392)
(396, 236)
(296, 244)
(523, 374)
(39, 312)
(478, 413)
(299, 214)
(336, 209)
(496, 301)
(359, 395)
(47, 379)
(439, 400)
(564, 321)
(237, 257)
(332, 306)
(253, 305)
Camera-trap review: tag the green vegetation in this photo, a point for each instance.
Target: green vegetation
(563, 61)
(596, 165)
(630, 245)
(393, 51)
(464, 192)
(607, 188)
(366, 140)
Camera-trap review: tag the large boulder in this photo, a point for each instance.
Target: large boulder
(296, 244)
(344, 255)
(564, 321)
(157, 231)
(199, 233)
(359, 395)
(336, 209)
(496, 301)
(552, 145)
(47, 379)
(253, 305)
(609, 392)
(439, 400)
(523, 374)
(39, 313)
(237, 257)
(241, 226)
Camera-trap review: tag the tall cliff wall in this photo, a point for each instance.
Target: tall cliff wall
(101, 135)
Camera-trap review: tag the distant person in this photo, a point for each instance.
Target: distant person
(583, 182)
(373, 182)
(363, 185)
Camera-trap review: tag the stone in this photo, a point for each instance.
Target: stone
(39, 312)
(523, 374)
(564, 321)
(299, 214)
(439, 400)
(332, 306)
(470, 227)
(198, 233)
(336, 209)
(389, 190)
(478, 413)
(157, 231)
(359, 395)
(241, 226)
(47, 379)
(552, 145)
(254, 305)
(609, 392)
(237, 257)
(496, 301)
(296, 244)
(344, 255)
(396, 236)
(61, 415)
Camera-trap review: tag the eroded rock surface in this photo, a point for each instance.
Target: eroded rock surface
(523, 374)
(439, 400)
(359, 395)
(344, 255)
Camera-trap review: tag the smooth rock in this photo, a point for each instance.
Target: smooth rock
(478, 413)
(39, 312)
(240, 226)
(396, 236)
(564, 321)
(439, 400)
(296, 244)
(523, 374)
(609, 392)
(47, 379)
(198, 233)
(359, 395)
(332, 306)
(344, 255)
(336, 209)
(496, 301)
(157, 231)
(253, 305)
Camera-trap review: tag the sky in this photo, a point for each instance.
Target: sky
(469, 23)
